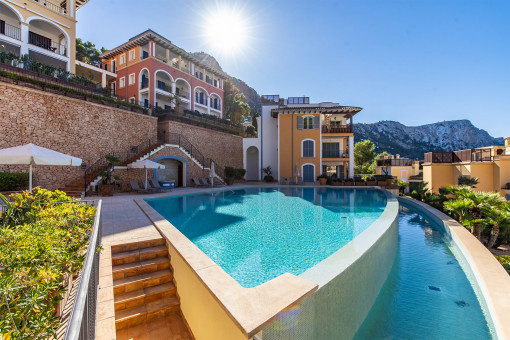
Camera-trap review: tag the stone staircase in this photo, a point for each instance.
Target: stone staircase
(76, 188)
(143, 286)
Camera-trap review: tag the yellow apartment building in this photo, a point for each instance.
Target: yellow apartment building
(491, 165)
(404, 169)
(301, 139)
(46, 31)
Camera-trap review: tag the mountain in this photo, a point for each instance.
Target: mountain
(252, 97)
(208, 60)
(414, 141)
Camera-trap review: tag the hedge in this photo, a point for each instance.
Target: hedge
(13, 181)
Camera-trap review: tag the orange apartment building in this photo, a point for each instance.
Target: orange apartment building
(301, 139)
(150, 68)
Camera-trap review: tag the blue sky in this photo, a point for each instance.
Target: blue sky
(413, 61)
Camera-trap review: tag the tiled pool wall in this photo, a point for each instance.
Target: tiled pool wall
(481, 268)
(349, 282)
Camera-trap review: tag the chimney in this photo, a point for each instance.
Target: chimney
(397, 156)
(507, 141)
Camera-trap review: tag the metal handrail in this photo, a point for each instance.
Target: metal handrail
(82, 321)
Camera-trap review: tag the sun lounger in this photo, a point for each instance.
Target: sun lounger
(283, 180)
(205, 182)
(134, 186)
(150, 187)
(155, 184)
(198, 183)
(299, 181)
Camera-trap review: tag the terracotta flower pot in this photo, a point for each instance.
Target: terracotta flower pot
(322, 181)
(371, 183)
(106, 189)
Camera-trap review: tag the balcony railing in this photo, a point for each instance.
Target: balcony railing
(52, 6)
(336, 129)
(394, 162)
(334, 154)
(469, 155)
(46, 43)
(10, 31)
(144, 85)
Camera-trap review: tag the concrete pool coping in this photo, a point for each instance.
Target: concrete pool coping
(326, 270)
(252, 309)
(491, 277)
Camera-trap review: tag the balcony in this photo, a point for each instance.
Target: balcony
(462, 156)
(334, 154)
(394, 162)
(10, 31)
(52, 6)
(336, 129)
(46, 43)
(182, 93)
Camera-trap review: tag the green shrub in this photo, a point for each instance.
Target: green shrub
(36, 258)
(505, 262)
(13, 180)
(234, 173)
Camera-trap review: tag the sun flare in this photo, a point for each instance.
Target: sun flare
(226, 31)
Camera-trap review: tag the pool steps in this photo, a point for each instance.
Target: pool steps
(143, 284)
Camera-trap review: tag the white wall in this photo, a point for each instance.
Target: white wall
(269, 142)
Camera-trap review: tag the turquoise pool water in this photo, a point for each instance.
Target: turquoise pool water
(427, 294)
(258, 233)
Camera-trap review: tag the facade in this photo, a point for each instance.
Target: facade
(404, 169)
(45, 30)
(150, 68)
(491, 165)
(300, 139)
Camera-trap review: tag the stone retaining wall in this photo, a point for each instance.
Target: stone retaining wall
(225, 149)
(76, 127)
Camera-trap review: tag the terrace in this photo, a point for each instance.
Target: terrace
(464, 156)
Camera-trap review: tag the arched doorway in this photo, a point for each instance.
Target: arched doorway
(308, 173)
(252, 164)
(176, 169)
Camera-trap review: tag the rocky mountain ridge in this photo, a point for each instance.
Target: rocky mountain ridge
(414, 141)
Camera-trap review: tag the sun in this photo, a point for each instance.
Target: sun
(226, 30)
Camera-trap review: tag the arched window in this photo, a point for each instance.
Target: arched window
(308, 148)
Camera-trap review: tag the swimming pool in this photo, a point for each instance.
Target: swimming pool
(427, 294)
(259, 233)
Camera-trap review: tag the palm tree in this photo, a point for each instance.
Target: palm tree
(459, 208)
(478, 202)
(498, 218)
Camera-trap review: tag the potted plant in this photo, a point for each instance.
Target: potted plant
(268, 174)
(107, 183)
(349, 182)
(323, 178)
(360, 183)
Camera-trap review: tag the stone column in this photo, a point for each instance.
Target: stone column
(103, 79)
(24, 38)
(173, 92)
(351, 156)
(208, 105)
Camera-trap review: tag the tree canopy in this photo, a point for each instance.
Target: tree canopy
(88, 53)
(364, 157)
(236, 108)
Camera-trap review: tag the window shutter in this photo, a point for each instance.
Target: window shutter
(300, 123)
(316, 122)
